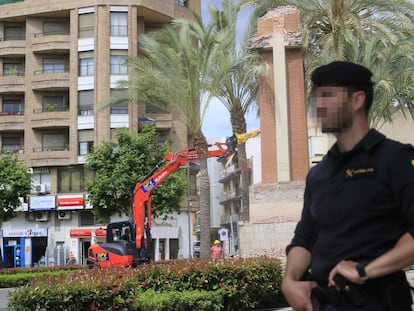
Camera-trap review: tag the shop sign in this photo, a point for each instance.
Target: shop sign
(43, 203)
(70, 202)
(26, 232)
(86, 232)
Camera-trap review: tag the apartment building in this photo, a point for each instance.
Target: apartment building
(58, 61)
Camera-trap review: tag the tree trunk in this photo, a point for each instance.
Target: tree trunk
(245, 183)
(239, 126)
(201, 146)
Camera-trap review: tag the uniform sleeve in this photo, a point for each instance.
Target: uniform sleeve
(306, 227)
(402, 177)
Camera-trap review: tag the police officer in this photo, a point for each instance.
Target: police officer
(357, 221)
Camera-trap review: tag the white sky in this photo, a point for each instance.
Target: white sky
(216, 123)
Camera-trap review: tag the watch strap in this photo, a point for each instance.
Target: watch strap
(361, 271)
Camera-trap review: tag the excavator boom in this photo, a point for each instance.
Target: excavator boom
(142, 210)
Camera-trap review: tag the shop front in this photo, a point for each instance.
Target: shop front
(24, 247)
(83, 238)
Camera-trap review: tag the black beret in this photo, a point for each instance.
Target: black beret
(341, 73)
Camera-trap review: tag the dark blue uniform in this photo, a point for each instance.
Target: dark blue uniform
(357, 204)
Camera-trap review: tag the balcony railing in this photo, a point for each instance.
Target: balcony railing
(235, 195)
(51, 70)
(18, 150)
(11, 113)
(9, 1)
(64, 147)
(15, 37)
(51, 33)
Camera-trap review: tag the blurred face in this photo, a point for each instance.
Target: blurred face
(333, 108)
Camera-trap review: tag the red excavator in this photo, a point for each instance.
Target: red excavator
(130, 244)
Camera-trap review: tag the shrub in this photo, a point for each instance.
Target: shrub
(18, 277)
(244, 283)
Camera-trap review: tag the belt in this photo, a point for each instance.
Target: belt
(347, 293)
(359, 295)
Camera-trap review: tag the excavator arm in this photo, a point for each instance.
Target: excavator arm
(142, 210)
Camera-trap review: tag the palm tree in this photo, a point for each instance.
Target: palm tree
(174, 70)
(236, 80)
(369, 32)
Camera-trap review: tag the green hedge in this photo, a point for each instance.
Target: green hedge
(238, 284)
(18, 277)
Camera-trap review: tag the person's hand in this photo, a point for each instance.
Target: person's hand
(297, 293)
(346, 268)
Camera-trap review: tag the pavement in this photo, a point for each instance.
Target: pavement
(4, 293)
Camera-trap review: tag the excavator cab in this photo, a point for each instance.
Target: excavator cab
(120, 250)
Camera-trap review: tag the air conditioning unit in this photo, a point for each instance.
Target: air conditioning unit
(41, 188)
(41, 215)
(64, 215)
(30, 216)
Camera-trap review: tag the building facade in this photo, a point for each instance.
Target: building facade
(58, 61)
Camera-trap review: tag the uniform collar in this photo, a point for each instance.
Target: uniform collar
(369, 141)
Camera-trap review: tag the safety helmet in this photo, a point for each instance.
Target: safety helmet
(216, 242)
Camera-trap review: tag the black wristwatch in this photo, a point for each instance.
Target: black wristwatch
(361, 271)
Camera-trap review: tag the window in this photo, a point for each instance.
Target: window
(54, 28)
(86, 138)
(87, 218)
(53, 65)
(69, 180)
(13, 68)
(41, 177)
(14, 32)
(118, 62)
(86, 64)
(55, 141)
(10, 144)
(86, 28)
(85, 147)
(72, 179)
(182, 2)
(119, 24)
(85, 104)
(12, 107)
(54, 103)
(192, 187)
(121, 106)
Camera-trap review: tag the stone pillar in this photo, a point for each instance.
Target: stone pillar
(276, 202)
(282, 98)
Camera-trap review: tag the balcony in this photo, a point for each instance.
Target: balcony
(45, 156)
(47, 119)
(19, 151)
(12, 121)
(162, 121)
(231, 172)
(12, 47)
(12, 84)
(225, 198)
(52, 81)
(55, 43)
